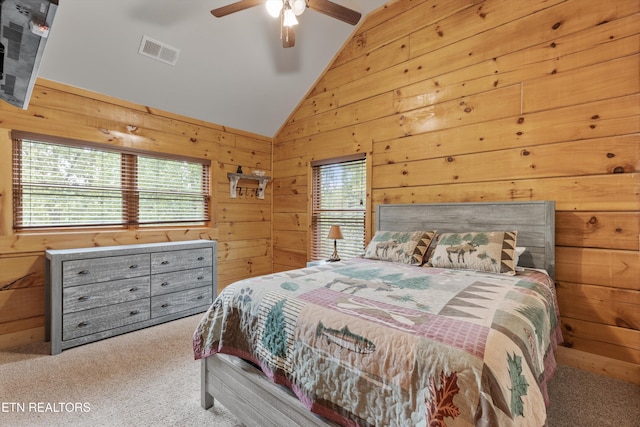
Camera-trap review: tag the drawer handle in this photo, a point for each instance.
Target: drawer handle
(200, 277)
(133, 312)
(164, 263)
(164, 284)
(133, 289)
(83, 272)
(83, 298)
(133, 266)
(165, 305)
(200, 258)
(83, 324)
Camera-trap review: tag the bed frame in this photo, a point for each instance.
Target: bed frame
(256, 401)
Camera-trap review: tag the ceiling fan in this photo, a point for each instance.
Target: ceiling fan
(287, 10)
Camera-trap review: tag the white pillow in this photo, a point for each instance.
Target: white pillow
(519, 251)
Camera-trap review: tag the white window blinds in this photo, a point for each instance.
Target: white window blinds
(339, 198)
(60, 185)
(172, 191)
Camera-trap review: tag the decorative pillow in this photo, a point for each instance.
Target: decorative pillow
(519, 251)
(406, 247)
(481, 251)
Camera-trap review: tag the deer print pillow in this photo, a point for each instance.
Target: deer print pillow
(406, 247)
(480, 251)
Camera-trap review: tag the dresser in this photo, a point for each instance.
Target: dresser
(96, 293)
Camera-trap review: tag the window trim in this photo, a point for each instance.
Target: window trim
(130, 201)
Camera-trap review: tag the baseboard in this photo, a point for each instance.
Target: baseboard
(618, 369)
(26, 336)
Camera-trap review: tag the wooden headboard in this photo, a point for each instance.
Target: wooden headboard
(534, 221)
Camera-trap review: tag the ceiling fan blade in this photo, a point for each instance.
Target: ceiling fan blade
(288, 35)
(235, 7)
(335, 11)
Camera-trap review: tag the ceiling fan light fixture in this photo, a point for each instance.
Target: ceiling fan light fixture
(298, 6)
(289, 18)
(274, 7)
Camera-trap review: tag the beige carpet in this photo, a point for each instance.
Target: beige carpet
(116, 382)
(113, 382)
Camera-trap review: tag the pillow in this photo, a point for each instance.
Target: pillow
(405, 247)
(519, 251)
(480, 251)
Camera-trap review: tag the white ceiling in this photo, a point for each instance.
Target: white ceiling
(231, 71)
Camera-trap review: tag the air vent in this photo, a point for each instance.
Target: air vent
(158, 50)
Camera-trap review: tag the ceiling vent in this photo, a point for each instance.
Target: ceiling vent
(158, 50)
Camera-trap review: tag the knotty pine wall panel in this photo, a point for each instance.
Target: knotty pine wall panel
(493, 100)
(242, 226)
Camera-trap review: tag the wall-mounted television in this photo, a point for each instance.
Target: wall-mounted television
(24, 29)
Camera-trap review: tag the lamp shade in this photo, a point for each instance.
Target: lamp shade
(298, 6)
(335, 232)
(289, 17)
(274, 7)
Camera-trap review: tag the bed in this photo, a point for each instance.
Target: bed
(439, 323)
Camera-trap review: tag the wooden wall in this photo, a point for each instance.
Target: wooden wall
(242, 226)
(495, 100)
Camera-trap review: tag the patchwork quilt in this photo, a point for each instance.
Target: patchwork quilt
(374, 343)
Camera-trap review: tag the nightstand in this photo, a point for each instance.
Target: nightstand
(317, 263)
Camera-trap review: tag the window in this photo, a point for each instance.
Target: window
(66, 184)
(339, 198)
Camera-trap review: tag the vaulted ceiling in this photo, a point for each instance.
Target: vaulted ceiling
(231, 71)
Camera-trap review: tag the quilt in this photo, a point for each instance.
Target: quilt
(373, 343)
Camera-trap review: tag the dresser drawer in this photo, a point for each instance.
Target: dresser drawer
(82, 272)
(84, 297)
(180, 280)
(162, 262)
(176, 302)
(99, 319)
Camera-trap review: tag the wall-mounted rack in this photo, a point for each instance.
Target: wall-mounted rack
(234, 178)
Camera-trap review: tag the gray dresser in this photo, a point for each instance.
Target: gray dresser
(96, 293)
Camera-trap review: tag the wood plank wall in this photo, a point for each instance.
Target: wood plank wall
(495, 100)
(242, 226)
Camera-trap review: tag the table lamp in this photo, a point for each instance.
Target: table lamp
(334, 233)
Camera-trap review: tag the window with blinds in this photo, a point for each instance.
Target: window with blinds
(339, 198)
(56, 184)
